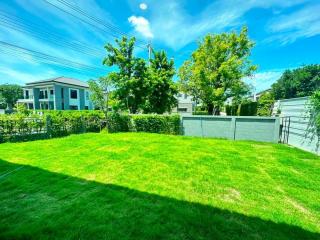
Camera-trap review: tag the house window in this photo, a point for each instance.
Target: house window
(73, 94)
(62, 93)
(87, 95)
(86, 108)
(182, 109)
(43, 94)
(73, 107)
(27, 94)
(51, 92)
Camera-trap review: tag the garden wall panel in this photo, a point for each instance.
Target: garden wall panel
(237, 128)
(300, 133)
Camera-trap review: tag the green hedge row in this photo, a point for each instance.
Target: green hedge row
(244, 109)
(19, 127)
(167, 124)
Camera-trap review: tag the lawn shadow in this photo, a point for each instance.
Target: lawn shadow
(38, 204)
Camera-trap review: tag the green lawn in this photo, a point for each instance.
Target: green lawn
(149, 186)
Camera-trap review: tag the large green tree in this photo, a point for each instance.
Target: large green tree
(131, 78)
(299, 82)
(216, 69)
(9, 94)
(138, 87)
(161, 96)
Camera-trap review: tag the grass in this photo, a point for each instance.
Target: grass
(149, 186)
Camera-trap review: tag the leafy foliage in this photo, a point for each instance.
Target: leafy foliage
(315, 111)
(161, 96)
(9, 94)
(215, 70)
(246, 108)
(100, 92)
(140, 88)
(265, 104)
(131, 81)
(299, 82)
(21, 127)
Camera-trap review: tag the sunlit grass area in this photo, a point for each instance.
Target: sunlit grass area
(149, 186)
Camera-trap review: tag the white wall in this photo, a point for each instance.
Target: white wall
(300, 134)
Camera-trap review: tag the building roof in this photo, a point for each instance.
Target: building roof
(65, 80)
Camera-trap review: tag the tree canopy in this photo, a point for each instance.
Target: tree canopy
(139, 87)
(299, 82)
(9, 94)
(216, 69)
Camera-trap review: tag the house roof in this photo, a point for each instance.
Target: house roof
(65, 80)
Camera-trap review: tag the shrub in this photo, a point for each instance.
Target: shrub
(315, 112)
(119, 122)
(168, 124)
(265, 104)
(247, 109)
(231, 110)
(20, 127)
(200, 113)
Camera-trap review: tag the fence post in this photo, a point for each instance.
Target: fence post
(233, 128)
(49, 126)
(276, 129)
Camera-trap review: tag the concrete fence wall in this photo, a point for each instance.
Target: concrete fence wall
(264, 129)
(300, 132)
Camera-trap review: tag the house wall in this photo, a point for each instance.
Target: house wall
(187, 106)
(300, 131)
(82, 98)
(36, 93)
(57, 98)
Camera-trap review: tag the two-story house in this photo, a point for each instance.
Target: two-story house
(59, 93)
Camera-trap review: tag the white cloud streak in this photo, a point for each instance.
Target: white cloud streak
(173, 25)
(141, 25)
(303, 23)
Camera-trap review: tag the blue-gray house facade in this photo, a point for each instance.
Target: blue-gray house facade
(59, 93)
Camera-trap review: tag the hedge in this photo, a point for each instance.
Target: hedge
(19, 127)
(244, 109)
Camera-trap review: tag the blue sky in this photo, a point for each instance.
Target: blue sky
(287, 33)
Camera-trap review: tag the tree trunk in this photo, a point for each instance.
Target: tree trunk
(210, 109)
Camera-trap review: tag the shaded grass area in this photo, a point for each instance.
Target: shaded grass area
(148, 186)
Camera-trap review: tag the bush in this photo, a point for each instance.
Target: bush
(200, 113)
(315, 112)
(244, 109)
(247, 109)
(119, 123)
(168, 124)
(231, 110)
(265, 104)
(20, 127)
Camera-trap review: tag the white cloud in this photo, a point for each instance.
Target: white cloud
(303, 23)
(141, 25)
(172, 24)
(264, 80)
(143, 6)
(9, 75)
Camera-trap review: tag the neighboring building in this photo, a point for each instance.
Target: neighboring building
(185, 104)
(59, 93)
(258, 95)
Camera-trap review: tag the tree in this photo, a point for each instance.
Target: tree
(161, 96)
(10, 93)
(185, 83)
(265, 104)
(100, 92)
(217, 68)
(131, 81)
(299, 82)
